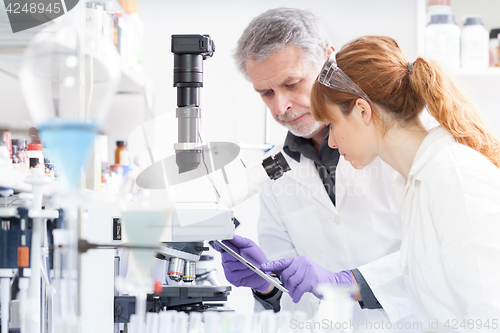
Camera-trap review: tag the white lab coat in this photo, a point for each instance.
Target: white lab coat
(363, 231)
(450, 252)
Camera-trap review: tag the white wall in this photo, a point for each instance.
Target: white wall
(231, 109)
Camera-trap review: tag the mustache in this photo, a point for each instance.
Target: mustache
(291, 115)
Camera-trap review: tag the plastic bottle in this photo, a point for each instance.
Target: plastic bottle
(493, 46)
(136, 52)
(93, 17)
(26, 159)
(131, 35)
(135, 34)
(122, 37)
(36, 160)
(475, 44)
(442, 40)
(110, 23)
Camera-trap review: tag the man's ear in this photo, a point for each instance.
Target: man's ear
(329, 50)
(365, 110)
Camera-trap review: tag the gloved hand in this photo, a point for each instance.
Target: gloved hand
(236, 272)
(300, 275)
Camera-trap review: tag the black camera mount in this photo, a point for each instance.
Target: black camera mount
(189, 52)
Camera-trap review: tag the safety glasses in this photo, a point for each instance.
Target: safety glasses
(333, 77)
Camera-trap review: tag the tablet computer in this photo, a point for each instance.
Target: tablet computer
(274, 281)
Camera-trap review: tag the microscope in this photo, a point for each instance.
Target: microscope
(189, 53)
(182, 244)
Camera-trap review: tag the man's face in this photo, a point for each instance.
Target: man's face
(284, 81)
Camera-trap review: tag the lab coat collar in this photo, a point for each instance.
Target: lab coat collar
(295, 146)
(438, 137)
(432, 143)
(306, 174)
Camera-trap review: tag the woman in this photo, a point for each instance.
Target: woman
(448, 186)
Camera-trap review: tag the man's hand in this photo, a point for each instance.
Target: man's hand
(236, 272)
(300, 275)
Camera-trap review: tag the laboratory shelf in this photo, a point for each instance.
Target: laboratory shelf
(13, 179)
(484, 72)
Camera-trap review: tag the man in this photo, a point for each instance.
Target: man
(312, 211)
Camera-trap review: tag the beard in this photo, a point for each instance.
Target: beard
(305, 127)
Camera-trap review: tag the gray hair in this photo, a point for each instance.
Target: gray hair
(273, 30)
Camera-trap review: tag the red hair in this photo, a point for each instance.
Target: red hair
(380, 69)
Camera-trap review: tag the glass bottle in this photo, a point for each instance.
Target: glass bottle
(122, 155)
(493, 46)
(26, 159)
(16, 162)
(21, 156)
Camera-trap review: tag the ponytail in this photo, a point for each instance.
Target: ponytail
(379, 67)
(452, 109)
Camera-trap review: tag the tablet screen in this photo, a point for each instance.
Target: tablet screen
(274, 281)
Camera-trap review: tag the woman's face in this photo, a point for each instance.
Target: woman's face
(354, 135)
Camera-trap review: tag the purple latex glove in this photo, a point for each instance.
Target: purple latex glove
(236, 272)
(300, 275)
